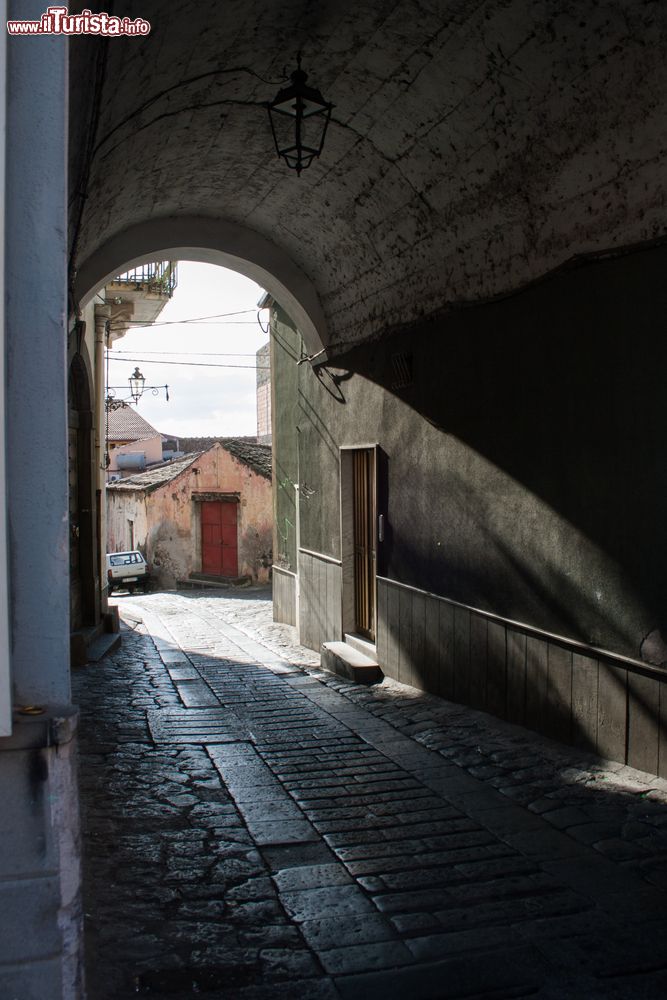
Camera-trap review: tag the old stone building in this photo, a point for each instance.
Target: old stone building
(208, 513)
(482, 238)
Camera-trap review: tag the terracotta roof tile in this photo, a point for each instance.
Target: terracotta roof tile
(153, 478)
(125, 424)
(256, 456)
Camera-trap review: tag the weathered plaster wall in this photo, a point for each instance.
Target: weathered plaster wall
(151, 448)
(474, 147)
(121, 508)
(166, 520)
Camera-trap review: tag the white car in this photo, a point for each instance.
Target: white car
(126, 570)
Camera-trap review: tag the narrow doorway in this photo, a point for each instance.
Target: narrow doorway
(219, 541)
(364, 508)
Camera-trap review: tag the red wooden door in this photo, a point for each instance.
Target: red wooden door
(219, 545)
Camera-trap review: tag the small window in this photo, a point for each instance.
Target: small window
(122, 559)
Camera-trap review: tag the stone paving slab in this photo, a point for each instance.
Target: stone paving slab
(205, 726)
(309, 837)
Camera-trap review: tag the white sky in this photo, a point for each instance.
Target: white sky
(202, 401)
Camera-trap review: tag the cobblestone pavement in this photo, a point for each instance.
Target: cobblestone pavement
(256, 828)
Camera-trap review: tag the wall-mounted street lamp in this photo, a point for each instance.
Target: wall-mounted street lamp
(299, 117)
(137, 383)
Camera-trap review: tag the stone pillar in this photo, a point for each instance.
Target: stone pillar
(40, 913)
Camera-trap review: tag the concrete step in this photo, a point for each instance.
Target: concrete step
(346, 661)
(363, 645)
(90, 644)
(204, 584)
(103, 645)
(200, 581)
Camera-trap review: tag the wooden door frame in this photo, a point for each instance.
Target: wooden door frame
(348, 610)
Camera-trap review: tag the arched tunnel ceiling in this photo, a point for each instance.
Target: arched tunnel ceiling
(475, 145)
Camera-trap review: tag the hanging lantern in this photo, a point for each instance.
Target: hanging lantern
(299, 117)
(137, 382)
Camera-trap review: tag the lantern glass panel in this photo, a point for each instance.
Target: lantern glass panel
(137, 382)
(283, 128)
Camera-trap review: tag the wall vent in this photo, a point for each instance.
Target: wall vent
(401, 368)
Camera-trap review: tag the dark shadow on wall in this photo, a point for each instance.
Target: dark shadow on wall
(561, 388)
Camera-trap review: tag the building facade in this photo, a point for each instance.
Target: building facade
(208, 513)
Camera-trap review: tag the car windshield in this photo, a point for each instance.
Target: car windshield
(125, 558)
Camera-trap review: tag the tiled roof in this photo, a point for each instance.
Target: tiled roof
(245, 449)
(256, 456)
(203, 443)
(153, 478)
(125, 424)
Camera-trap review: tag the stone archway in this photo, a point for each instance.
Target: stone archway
(211, 241)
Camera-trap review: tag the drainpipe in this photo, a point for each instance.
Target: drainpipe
(297, 595)
(102, 320)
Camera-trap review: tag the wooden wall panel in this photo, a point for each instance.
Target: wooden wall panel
(584, 701)
(382, 624)
(478, 656)
(461, 691)
(284, 596)
(643, 722)
(537, 652)
(320, 600)
(445, 686)
(559, 693)
(516, 677)
(405, 598)
(418, 640)
(612, 711)
(393, 645)
(496, 670)
(431, 662)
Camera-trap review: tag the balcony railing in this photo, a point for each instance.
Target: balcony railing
(160, 277)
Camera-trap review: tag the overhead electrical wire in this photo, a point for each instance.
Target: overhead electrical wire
(191, 364)
(208, 354)
(204, 320)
